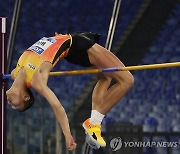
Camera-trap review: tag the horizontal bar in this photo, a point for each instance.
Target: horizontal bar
(75, 72)
(6, 76)
(151, 66)
(106, 70)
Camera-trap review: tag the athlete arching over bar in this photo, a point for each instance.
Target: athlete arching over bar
(34, 65)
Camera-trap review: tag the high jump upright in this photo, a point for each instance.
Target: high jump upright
(3, 84)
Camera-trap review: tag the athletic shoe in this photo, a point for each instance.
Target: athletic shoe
(91, 143)
(94, 133)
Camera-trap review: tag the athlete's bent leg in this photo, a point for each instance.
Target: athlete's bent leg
(99, 90)
(92, 126)
(102, 58)
(103, 98)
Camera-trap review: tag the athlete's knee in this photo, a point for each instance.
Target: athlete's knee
(130, 80)
(127, 80)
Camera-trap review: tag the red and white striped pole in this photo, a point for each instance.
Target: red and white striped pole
(3, 84)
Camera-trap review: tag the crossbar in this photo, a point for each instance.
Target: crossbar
(114, 69)
(106, 70)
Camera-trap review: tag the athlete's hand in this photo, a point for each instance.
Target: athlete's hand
(70, 144)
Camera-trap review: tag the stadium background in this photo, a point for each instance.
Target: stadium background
(147, 31)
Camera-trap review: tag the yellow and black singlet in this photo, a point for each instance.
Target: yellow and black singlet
(47, 49)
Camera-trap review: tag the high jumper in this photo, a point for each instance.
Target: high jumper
(34, 66)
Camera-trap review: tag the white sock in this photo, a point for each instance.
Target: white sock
(96, 117)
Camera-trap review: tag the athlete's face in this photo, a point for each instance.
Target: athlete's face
(15, 100)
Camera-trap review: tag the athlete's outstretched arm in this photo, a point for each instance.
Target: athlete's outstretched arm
(60, 116)
(59, 111)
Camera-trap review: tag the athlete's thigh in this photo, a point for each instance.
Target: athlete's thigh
(102, 58)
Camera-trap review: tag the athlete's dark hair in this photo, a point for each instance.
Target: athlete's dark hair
(29, 103)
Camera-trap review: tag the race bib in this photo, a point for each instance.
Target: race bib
(40, 46)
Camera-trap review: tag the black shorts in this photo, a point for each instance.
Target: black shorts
(81, 42)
